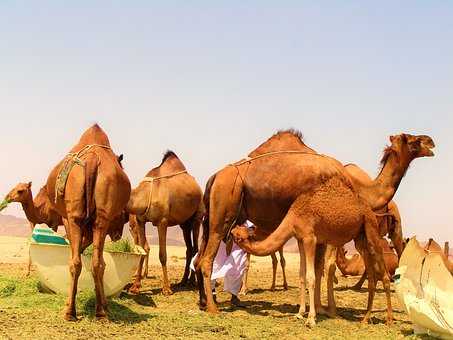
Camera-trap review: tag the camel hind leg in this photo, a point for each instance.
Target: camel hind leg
(162, 231)
(27, 274)
(98, 265)
(283, 265)
(189, 253)
(274, 270)
(75, 267)
(138, 228)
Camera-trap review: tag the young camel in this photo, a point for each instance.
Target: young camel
(257, 234)
(281, 183)
(353, 266)
(168, 196)
(89, 190)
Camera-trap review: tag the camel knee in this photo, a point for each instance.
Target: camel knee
(283, 262)
(75, 267)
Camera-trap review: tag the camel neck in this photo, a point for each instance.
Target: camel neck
(30, 211)
(383, 188)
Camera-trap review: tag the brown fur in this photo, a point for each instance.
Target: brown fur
(305, 195)
(352, 266)
(102, 201)
(176, 200)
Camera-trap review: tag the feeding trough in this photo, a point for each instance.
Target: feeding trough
(50, 254)
(424, 287)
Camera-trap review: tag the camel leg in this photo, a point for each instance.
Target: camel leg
(274, 270)
(162, 231)
(146, 260)
(359, 283)
(27, 274)
(302, 277)
(141, 239)
(245, 288)
(75, 267)
(331, 268)
(319, 270)
(196, 223)
(283, 265)
(396, 235)
(309, 243)
(378, 263)
(205, 264)
(371, 284)
(98, 265)
(189, 253)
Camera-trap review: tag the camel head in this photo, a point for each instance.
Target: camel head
(240, 234)
(116, 226)
(410, 146)
(20, 193)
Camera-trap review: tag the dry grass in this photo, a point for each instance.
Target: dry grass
(27, 313)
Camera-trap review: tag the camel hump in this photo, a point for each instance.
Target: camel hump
(93, 135)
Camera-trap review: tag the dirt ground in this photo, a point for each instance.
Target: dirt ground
(26, 313)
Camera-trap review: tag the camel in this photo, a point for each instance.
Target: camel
(168, 196)
(37, 210)
(88, 189)
(257, 234)
(284, 183)
(139, 238)
(353, 266)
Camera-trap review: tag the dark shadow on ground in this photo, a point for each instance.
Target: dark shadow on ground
(142, 299)
(261, 290)
(116, 312)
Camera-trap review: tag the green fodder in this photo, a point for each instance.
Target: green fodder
(121, 246)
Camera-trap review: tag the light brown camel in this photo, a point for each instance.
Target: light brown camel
(352, 266)
(313, 198)
(258, 235)
(89, 189)
(37, 210)
(168, 196)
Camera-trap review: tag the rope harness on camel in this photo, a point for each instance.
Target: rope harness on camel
(152, 180)
(72, 159)
(227, 238)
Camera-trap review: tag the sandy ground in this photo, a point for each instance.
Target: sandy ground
(13, 249)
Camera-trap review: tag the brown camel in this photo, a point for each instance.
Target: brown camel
(352, 266)
(37, 210)
(88, 189)
(139, 237)
(313, 198)
(258, 235)
(168, 196)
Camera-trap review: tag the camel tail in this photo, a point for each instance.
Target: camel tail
(205, 222)
(91, 171)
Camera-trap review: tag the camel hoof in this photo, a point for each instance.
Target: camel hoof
(272, 289)
(134, 289)
(356, 288)
(389, 322)
(167, 291)
(70, 317)
(243, 292)
(310, 323)
(299, 316)
(101, 316)
(285, 287)
(213, 310)
(365, 321)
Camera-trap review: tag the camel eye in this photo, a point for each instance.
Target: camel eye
(20, 191)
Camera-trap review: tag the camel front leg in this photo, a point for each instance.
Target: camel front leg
(27, 274)
(75, 267)
(320, 253)
(244, 287)
(189, 253)
(283, 265)
(162, 231)
(140, 237)
(302, 277)
(205, 265)
(274, 270)
(331, 268)
(98, 266)
(309, 243)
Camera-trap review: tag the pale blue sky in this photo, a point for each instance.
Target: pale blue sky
(212, 82)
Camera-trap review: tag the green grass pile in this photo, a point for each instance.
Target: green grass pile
(120, 246)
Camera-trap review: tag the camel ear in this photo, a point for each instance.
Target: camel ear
(120, 158)
(29, 185)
